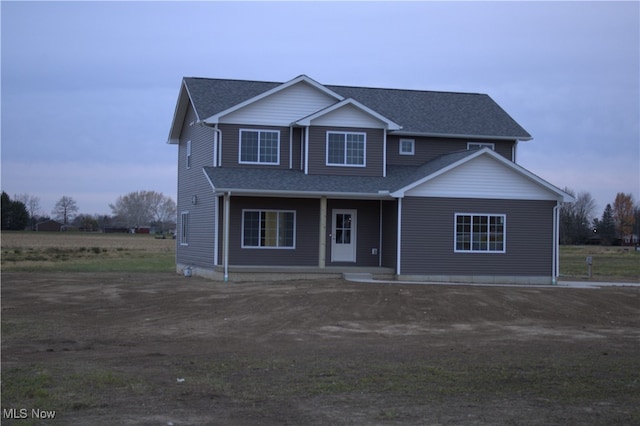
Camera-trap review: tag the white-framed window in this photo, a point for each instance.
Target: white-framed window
(274, 229)
(480, 233)
(188, 163)
(346, 149)
(184, 228)
(478, 145)
(407, 146)
(259, 146)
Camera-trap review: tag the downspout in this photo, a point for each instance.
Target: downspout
(399, 237)
(556, 237)
(291, 147)
(218, 147)
(225, 249)
(380, 238)
(306, 150)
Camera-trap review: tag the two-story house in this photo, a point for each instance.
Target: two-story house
(301, 179)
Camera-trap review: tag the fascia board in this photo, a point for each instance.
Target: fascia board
(303, 194)
(306, 121)
(461, 136)
(214, 119)
(184, 100)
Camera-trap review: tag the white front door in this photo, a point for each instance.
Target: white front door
(343, 236)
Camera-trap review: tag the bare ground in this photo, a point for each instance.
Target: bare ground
(161, 349)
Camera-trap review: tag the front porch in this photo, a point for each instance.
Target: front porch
(239, 273)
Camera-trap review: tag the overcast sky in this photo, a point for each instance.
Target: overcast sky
(89, 89)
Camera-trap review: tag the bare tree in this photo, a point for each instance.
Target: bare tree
(143, 207)
(65, 209)
(576, 218)
(32, 203)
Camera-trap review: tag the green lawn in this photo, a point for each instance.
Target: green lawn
(609, 263)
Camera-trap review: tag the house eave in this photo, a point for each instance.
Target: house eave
(459, 136)
(381, 195)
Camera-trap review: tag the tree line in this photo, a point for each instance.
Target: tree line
(133, 210)
(619, 223)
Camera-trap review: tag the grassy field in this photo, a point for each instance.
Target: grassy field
(609, 263)
(85, 252)
(92, 252)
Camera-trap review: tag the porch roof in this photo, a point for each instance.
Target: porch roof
(278, 182)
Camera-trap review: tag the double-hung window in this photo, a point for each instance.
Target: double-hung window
(480, 233)
(268, 229)
(478, 145)
(259, 146)
(346, 149)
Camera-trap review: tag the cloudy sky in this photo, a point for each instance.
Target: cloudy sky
(89, 89)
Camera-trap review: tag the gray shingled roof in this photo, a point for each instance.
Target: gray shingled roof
(278, 181)
(418, 112)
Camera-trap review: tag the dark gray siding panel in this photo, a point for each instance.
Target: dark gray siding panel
(428, 238)
(389, 233)
(307, 234)
(368, 232)
(318, 153)
(191, 181)
(231, 145)
(429, 148)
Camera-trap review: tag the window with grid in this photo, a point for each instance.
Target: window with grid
(346, 149)
(480, 233)
(268, 229)
(259, 146)
(407, 146)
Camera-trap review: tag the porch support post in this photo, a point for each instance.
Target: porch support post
(322, 247)
(399, 238)
(225, 248)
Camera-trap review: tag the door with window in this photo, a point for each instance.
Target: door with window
(343, 235)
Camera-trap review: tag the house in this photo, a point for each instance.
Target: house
(304, 179)
(49, 226)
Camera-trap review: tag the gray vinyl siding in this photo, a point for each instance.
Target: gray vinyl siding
(389, 233)
(192, 182)
(307, 238)
(428, 238)
(368, 230)
(231, 145)
(427, 149)
(318, 152)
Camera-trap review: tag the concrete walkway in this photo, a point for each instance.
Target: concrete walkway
(368, 278)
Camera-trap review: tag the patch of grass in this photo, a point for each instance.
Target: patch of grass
(77, 252)
(609, 263)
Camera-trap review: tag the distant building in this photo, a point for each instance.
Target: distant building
(49, 226)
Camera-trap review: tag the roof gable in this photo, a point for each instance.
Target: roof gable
(348, 113)
(280, 105)
(482, 174)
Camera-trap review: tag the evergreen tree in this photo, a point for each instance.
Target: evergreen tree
(607, 227)
(14, 214)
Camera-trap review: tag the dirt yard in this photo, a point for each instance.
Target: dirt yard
(161, 349)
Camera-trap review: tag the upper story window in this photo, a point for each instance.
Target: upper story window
(478, 145)
(259, 146)
(188, 164)
(407, 146)
(346, 149)
(480, 233)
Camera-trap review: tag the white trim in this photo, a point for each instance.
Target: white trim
(259, 131)
(290, 147)
(216, 117)
(461, 136)
(353, 236)
(489, 145)
(306, 150)
(488, 216)
(413, 146)
(293, 247)
(389, 125)
(384, 154)
(364, 148)
(399, 238)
